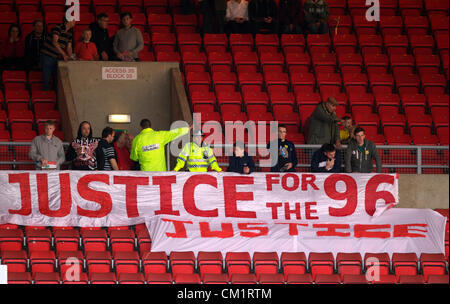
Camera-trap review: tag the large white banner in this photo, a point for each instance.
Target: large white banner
(229, 212)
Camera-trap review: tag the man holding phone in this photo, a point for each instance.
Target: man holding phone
(326, 159)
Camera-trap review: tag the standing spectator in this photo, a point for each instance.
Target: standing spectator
(47, 150)
(360, 154)
(12, 49)
(348, 129)
(326, 159)
(220, 7)
(263, 14)
(206, 9)
(128, 41)
(85, 49)
(287, 155)
(33, 44)
(105, 153)
(323, 127)
(100, 36)
(82, 149)
(316, 16)
(122, 151)
(187, 7)
(237, 17)
(289, 17)
(241, 162)
(57, 45)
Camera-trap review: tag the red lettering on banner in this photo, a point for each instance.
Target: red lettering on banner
(288, 211)
(180, 229)
(23, 179)
(189, 198)
(274, 207)
(350, 194)
(404, 230)
(293, 227)
(372, 195)
(363, 231)
(246, 226)
(331, 229)
(66, 196)
(295, 183)
(165, 190)
(308, 179)
(102, 198)
(231, 196)
(270, 180)
(309, 211)
(226, 232)
(131, 183)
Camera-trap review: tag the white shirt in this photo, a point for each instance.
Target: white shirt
(236, 10)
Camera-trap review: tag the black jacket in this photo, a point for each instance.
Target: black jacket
(318, 162)
(82, 152)
(237, 164)
(286, 154)
(260, 9)
(102, 40)
(33, 49)
(289, 12)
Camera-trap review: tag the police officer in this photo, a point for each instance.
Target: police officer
(148, 146)
(197, 156)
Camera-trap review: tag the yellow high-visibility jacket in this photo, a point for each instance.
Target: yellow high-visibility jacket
(197, 159)
(148, 148)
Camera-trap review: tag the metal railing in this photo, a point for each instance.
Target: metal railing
(401, 159)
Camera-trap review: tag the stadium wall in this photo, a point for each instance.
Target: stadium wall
(423, 191)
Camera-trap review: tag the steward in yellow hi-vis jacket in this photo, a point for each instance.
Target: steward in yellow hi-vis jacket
(148, 146)
(196, 156)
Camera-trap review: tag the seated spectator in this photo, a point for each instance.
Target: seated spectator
(47, 150)
(85, 49)
(105, 153)
(263, 14)
(82, 149)
(57, 45)
(347, 131)
(236, 17)
(289, 17)
(287, 155)
(240, 162)
(12, 49)
(323, 126)
(121, 143)
(361, 153)
(316, 15)
(128, 41)
(33, 44)
(326, 159)
(100, 36)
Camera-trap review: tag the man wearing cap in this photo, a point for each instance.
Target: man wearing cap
(324, 124)
(197, 156)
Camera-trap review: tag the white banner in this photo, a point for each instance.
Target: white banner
(227, 211)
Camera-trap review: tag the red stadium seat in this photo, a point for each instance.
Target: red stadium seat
(131, 278)
(16, 261)
(182, 262)
(42, 261)
(187, 278)
(67, 260)
(237, 263)
(354, 279)
(122, 240)
(265, 262)
(327, 279)
(215, 278)
(432, 264)
(19, 278)
(154, 262)
(411, 279)
(47, 278)
(299, 278)
(98, 262)
(404, 264)
(210, 262)
(94, 240)
(438, 279)
(321, 263)
(348, 263)
(159, 278)
(126, 262)
(66, 240)
(243, 278)
(103, 278)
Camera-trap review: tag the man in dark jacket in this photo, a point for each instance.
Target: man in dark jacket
(33, 44)
(262, 15)
(100, 36)
(326, 159)
(360, 154)
(324, 127)
(241, 162)
(287, 155)
(316, 16)
(82, 149)
(289, 17)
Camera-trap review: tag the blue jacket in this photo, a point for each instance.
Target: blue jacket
(237, 164)
(319, 160)
(286, 154)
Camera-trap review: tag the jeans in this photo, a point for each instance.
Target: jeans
(49, 69)
(322, 28)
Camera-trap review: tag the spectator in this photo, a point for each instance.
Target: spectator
(47, 150)
(220, 7)
(316, 16)
(105, 153)
(58, 45)
(287, 155)
(122, 151)
(33, 44)
(85, 49)
(263, 14)
(360, 154)
(12, 50)
(289, 17)
(82, 149)
(187, 7)
(236, 17)
(347, 132)
(323, 127)
(100, 36)
(241, 162)
(326, 159)
(128, 41)
(206, 9)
